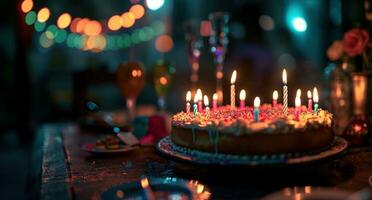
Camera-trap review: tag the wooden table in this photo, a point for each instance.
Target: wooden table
(70, 173)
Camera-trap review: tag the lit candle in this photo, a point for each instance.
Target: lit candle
(309, 100)
(275, 98)
(200, 99)
(298, 107)
(285, 92)
(215, 98)
(188, 99)
(147, 191)
(298, 93)
(256, 111)
(232, 90)
(195, 104)
(242, 96)
(316, 100)
(206, 103)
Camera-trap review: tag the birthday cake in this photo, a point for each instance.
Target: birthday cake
(234, 131)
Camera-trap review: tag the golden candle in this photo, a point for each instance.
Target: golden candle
(232, 90)
(285, 92)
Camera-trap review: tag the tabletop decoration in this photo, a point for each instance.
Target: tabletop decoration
(215, 98)
(309, 100)
(130, 77)
(188, 99)
(162, 73)
(218, 41)
(242, 96)
(285, 92)
(316, 100)
(206, 104)
(196, 100)
(275, 98)
(200, 99)
(232, 90)
(256, 108)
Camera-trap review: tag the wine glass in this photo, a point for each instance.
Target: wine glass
(131, 79)
(218, 42)
(194, 43)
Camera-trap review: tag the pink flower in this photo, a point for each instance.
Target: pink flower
(355, 41)
(335, 51)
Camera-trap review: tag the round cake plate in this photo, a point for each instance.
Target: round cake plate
(190, 189)
(166, 147)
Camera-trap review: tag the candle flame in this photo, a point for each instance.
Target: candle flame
(199, 94)
(298, 101)
(298, 93)
(188, 96)
(215, 96)
(145, 182)
(233, 77)
(309, 94)
(275, 95)
(257, 102)
(206, 100)
(196, 98)
(284, 77)
(315, 95)
(242, 95)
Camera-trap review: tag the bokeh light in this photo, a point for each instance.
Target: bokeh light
(43, 15)
(60, 36)
(266, 22)
(80, 26)
(64, 21)
(27, 5)
(74, 23)
(45, 41)
(30, 18)
(92, 28)
(299, 24)
(115, 23)
(39, 26)
(164, 43)
(154, 4)
(128, 19)
(137, 10)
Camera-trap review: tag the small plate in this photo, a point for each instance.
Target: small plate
(309, 193)
(166, 147)
(91, 147)
(163, 188)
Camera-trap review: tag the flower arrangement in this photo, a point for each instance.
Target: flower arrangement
(354, 43)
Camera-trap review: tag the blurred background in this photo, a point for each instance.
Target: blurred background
(57, 55)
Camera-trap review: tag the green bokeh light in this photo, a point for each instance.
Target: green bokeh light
(30, 18)
(39, 26)
(70, 40)
(158, 27)
(60, 36)
(45, 41)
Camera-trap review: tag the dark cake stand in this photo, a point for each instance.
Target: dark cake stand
(167, 148)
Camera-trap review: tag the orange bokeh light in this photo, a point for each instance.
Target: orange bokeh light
(74, 23)
(137, 10)
(115, 23)
(64, 21)
(80, 26)
(164, 43)
(163, 80)
(27, 5)
(128, 19)
(43, 14)
(92, 28)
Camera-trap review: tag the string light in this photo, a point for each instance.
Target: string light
(64, 21)
(43, 15)
(114, 23)
(27, 5)
(92, 38)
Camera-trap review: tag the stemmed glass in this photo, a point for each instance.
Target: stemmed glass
(194, 43)
(218, 42)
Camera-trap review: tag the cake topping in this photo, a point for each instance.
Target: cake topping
(271, 119)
